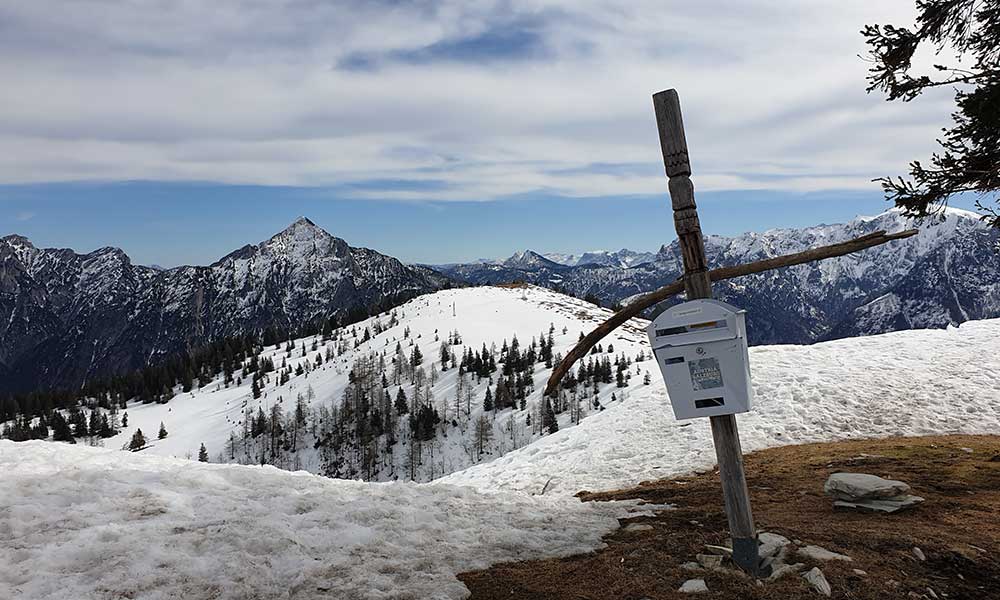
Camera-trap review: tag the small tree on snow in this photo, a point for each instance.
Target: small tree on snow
(202, 453)
(163, 431)
(138, 441)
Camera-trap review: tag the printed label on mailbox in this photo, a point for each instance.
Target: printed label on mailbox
(706, 373)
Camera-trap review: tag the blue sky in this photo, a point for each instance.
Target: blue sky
(436, 131)
(187, 223)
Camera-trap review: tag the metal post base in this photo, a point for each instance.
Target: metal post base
(747, 557)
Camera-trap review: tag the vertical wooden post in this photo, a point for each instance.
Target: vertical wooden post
(698, 285)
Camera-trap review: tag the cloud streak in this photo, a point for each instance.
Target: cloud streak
(450, 100)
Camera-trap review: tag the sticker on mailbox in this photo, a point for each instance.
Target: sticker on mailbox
(706, 373)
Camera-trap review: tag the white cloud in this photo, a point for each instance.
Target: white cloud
(249, 92)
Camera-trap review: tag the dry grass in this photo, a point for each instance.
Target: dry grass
(958, 528)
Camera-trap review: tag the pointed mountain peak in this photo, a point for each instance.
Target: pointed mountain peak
(302, 222)
(529, 258)
(302, 229)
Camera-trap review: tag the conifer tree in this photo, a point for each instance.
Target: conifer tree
(60, 429)
(202, 453)
(401, 406)
(549, 421)
(163, 431)
(138, 441)
(106, 430)
(488, 400)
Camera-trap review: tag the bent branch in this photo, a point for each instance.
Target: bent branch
(645, 301)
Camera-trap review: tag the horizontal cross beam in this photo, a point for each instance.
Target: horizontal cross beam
(645, 301)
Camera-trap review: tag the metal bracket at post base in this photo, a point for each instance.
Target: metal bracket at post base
(747, 557)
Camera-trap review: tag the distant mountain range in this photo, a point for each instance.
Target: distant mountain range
(947, 274)
(68, 317)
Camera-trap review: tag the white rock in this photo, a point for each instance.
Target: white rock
(695, 586)
(771, 544)
(860, 572)
(709, 561)
(633, 527)
(782, 570)
(820, 553)
(818, 581)
(862, 486)
(919, 554)
(691, 566)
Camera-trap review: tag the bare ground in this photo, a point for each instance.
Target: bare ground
(957, 528)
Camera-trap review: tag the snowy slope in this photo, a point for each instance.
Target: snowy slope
(904, 383)
(482, 316)
(83, 523)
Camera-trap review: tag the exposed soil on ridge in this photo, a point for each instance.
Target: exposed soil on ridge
(957, 528)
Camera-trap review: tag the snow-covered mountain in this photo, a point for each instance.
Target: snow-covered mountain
(623, 258)
(342, 383)
(947, 274)
(67, 317)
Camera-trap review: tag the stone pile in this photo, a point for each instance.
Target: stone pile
(869, 493)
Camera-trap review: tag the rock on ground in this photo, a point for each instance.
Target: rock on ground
(862, 486)
(818, 581)
(693, 586)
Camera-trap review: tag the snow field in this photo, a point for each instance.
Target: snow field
(907, 383)
(89, 523)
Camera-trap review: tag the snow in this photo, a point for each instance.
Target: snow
(83, 522)
(485, 315)
(907, 383)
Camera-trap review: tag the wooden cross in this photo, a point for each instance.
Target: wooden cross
(697, 283)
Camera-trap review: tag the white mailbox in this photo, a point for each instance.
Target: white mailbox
(701, 347)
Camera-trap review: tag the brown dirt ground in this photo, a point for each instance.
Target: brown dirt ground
(958, 528)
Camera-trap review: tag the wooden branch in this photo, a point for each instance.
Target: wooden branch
(645, 301)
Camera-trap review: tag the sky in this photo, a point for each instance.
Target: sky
(437, 131)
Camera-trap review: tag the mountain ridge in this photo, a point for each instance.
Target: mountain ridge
(66, 317)
(817, 301)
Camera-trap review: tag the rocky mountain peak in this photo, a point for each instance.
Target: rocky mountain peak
(529, 259)
(17, 240)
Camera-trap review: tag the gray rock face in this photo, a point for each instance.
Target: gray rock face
(861, 486)
(66, 318)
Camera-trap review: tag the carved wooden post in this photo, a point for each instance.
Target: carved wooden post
(698, 285)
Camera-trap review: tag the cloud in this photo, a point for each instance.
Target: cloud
(24, 216)
(449, 99)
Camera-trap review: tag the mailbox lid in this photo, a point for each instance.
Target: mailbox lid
(697, 322)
